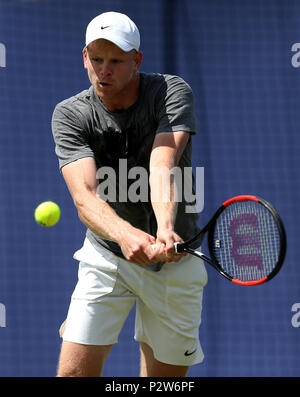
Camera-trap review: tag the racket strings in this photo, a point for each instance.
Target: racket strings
(246, 241)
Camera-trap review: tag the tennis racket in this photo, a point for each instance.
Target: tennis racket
(246, 241)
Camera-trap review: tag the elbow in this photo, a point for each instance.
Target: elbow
(79, 203)
(81, 197)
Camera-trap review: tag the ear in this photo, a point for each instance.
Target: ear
(138, 59)
(85, 56)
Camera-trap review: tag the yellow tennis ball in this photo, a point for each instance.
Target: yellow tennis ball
(47, 213)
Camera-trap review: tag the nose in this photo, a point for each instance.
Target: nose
(106, 69)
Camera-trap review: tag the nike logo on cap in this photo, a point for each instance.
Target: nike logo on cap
(187, 353)
(104, 27)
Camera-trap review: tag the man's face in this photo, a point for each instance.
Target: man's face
(111, 70)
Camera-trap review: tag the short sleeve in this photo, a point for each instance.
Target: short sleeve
(175, 106)
(71, 141)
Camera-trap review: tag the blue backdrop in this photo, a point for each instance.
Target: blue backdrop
(241, 59)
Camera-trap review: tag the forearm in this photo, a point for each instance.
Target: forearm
(164, 177)
(99, 217)
(163, 199)
(164, 205)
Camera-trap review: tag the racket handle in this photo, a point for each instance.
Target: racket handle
(178, 247)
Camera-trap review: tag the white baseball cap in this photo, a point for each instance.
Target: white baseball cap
(115, 27)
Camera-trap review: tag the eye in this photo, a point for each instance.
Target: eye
(97, 60)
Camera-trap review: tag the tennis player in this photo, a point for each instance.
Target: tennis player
(143, 121)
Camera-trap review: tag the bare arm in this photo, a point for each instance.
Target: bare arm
(166, 153)
(98, 216)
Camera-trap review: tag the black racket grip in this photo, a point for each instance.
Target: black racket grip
(179, 247)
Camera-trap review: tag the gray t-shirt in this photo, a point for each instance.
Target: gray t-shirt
(83, 127)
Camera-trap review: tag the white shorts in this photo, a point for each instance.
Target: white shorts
(168, 304)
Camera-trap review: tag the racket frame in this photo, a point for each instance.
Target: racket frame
(210, 228)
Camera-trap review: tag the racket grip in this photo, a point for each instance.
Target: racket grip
(178, 247)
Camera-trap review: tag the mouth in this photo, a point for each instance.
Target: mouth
(104, 84)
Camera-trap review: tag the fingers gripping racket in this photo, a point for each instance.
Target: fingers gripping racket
(246, 241)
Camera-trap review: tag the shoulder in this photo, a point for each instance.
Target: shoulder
(76, 105)
(162, 84)
(158, 78)
(177, 83)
